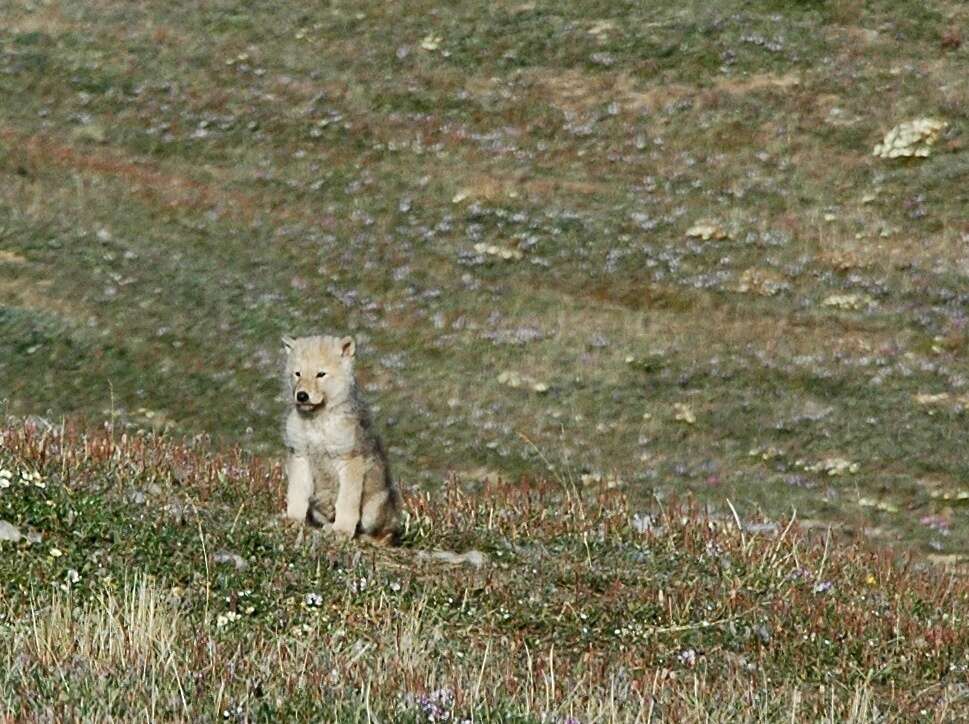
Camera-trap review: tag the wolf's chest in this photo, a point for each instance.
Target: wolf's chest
(331, 436)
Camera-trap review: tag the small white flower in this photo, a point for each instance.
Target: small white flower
(687, 657)
(313, 599)
(56, 553)
(223, 620)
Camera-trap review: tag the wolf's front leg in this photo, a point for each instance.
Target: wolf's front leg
(300, 487)
(349, 494)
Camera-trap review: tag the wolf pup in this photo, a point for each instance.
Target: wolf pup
(336, 466)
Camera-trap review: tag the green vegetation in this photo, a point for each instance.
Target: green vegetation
(640, 250)
(155, 579)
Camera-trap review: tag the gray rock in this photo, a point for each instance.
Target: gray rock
(643, 523)
(10, 532)
(39, 423)
(177, 511)
(766, 528)
(235, 559)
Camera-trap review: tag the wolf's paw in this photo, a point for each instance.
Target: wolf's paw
(288, 522)
(343, 531)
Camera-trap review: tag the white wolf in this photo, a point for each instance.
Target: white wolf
(336, 466)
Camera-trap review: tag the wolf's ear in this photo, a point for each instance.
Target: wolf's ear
(289, 343)
(347, 347)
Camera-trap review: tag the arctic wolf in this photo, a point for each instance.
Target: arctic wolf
(336, 466)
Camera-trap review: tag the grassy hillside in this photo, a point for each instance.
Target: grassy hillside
(494, 198)
(182, 183)
(154, 581)
(640, 252)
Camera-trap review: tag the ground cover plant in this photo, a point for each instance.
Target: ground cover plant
(601, 260)
(154, 579)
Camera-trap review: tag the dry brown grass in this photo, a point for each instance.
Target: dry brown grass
(579, 613)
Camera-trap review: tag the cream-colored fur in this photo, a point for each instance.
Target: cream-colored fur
(336, 467)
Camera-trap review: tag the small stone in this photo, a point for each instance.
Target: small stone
(850, 302)
(644, 523)
(10, 532)
(604, 59)
(235, 559)
(431, 42)
(763, 282)
(765, 528)
(831, 466)
(505, 253)
(684, 413)
(911, 139)
(925, 398)
(707, 230)
(885, 505)
(823, 587)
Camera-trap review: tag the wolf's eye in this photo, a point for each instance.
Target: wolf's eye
(321, 374)
(296, 373)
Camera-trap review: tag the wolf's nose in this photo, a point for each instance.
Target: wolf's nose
(302, 396)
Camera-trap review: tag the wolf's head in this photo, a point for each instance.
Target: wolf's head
(319, 370)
